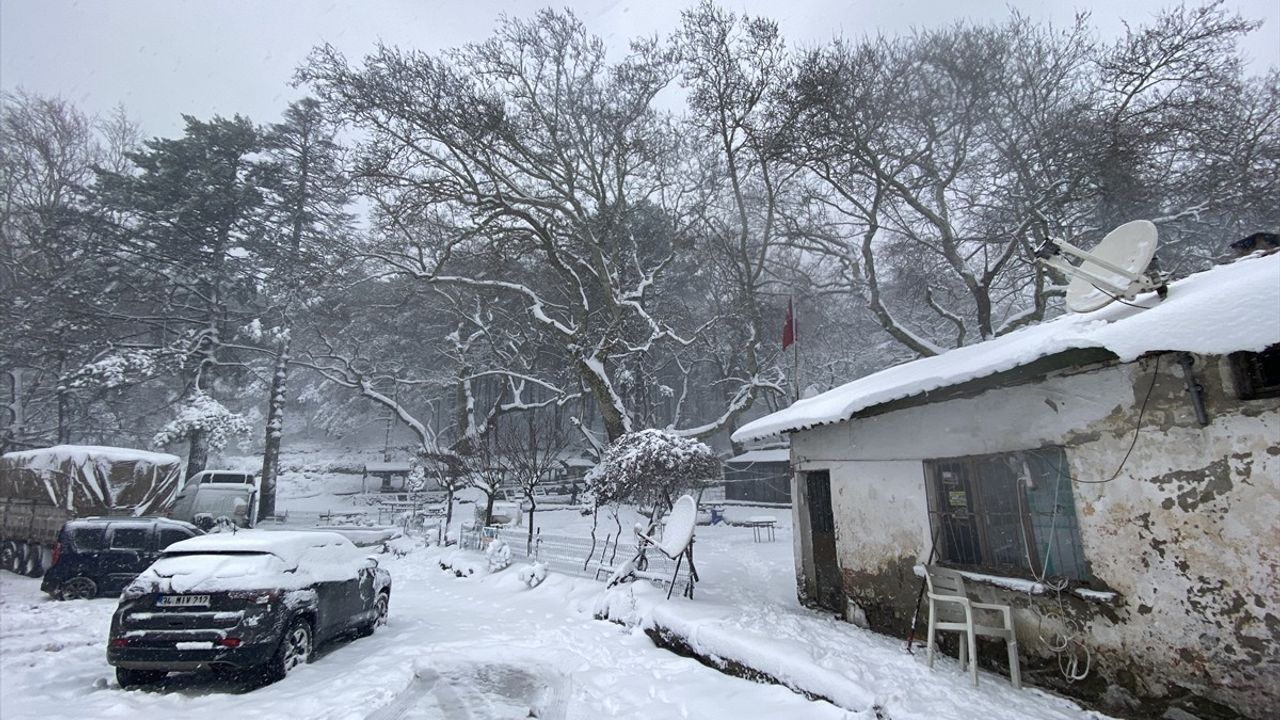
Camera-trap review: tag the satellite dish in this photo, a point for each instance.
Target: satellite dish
(1116, 268)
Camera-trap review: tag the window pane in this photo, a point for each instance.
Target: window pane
(1001, 506)
(90, 538)
(129, 538)
(1053, 516)
(169, 536)
(958, 541)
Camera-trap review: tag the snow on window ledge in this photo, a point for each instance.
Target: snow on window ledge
(1030, 587)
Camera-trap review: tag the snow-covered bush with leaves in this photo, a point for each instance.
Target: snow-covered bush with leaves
(533, 575)
(499, 555)
(201, 412)
(652, 467)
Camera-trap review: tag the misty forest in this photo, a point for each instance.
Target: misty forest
(538, 240)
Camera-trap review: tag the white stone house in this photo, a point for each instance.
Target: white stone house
(1114, 476)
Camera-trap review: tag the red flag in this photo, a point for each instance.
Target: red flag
(789, 328)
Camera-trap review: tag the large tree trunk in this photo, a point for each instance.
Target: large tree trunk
(612, 411)
(532, 506)
(448, 514)
(198, 456)
(275, 429)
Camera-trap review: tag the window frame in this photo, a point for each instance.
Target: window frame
(978, 517)
(1246, 370)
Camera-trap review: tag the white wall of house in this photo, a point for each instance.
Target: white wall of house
(1187, 534)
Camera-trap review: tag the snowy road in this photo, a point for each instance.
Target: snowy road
(454, 648)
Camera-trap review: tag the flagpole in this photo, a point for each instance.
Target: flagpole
(795, 345)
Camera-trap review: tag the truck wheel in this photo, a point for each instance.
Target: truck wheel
(128, 677)
(9, 556)
(78, 588)
(33, 566)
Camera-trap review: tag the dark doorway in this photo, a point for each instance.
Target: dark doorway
(828, 588)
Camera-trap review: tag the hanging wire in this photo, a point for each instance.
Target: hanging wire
(1137, 428)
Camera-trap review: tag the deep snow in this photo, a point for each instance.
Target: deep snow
(492, 646)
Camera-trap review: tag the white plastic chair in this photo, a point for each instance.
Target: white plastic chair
(951, 609)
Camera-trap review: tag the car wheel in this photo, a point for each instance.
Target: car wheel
(78, 588)
(295, 648)
(380, 608)
(128, 677)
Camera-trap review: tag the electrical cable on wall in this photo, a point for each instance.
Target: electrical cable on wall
(1155, 375)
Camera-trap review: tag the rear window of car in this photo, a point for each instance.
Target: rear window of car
(238, 478)
(128, 538)
(89, 538)
(216, 571)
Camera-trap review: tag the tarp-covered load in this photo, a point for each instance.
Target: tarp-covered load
(92, 480)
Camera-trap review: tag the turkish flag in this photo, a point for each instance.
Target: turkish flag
(789, 328)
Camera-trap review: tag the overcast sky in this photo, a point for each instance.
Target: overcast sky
(162, 58)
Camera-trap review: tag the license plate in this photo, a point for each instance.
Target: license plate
(184, 601)
(206, 645)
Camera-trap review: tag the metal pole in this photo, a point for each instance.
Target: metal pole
(795, 345)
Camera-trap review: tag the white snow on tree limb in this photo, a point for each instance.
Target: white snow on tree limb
(202, 413)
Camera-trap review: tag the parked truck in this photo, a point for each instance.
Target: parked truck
(42, 489)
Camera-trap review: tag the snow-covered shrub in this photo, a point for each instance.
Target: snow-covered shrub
(400, 546)
(533, 575)
(499, 555)
(618, 605)
(201, 412)
(653, 466)
(460, 562)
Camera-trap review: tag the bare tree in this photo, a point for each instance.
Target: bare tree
(530, 168)
(533, 450)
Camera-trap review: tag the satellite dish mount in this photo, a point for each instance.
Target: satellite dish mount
(1117, 268)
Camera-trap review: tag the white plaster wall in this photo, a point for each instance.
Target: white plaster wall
(1195, 556)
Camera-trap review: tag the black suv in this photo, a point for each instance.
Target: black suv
(100, 556)
(251, 600)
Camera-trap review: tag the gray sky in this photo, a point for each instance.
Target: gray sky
(161, 58)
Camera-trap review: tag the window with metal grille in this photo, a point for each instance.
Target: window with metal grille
(1011, 513)
(1257, 374)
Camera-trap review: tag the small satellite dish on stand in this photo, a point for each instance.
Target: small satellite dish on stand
(1115, 269)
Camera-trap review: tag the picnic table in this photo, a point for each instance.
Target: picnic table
(761, 526)
(328, 517)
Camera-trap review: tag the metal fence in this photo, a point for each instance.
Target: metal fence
(574, 555)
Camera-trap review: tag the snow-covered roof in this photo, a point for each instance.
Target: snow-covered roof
(1230, 308)
(85, 454)
(774, 455)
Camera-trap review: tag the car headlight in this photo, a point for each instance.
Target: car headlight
(133, 592)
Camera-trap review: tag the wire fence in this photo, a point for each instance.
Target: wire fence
(579, 556)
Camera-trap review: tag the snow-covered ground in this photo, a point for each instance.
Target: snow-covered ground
(488, 646)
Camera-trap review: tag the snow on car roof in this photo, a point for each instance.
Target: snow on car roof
(288, 545)
(1230, 308)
